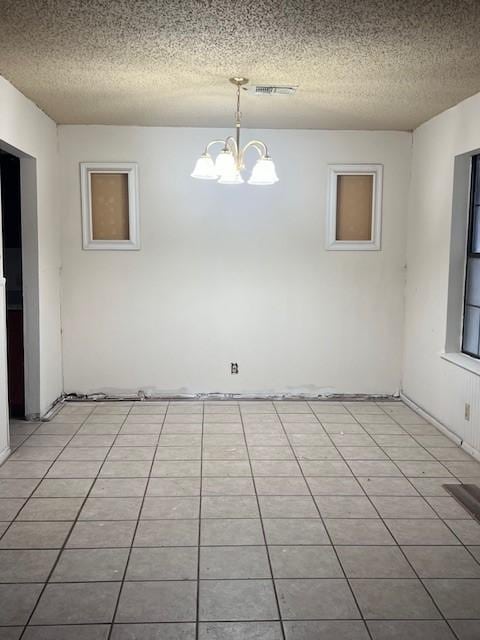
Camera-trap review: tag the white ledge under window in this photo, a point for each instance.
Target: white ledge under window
(462, 360)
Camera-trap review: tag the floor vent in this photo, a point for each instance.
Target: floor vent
(468, 495)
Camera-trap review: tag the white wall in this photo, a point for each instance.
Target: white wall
(440, 387)
(231, 273)
(241, 274)
(28, 132)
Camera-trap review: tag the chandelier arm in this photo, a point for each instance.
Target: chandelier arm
(230, 140)
(260, 147)
(212, 142)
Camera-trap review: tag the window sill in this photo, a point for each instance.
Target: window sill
(462, 360)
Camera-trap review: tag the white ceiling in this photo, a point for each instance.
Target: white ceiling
(363, 64)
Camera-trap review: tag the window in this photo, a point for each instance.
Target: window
(109, 206)
(354, 207)
(471, 313)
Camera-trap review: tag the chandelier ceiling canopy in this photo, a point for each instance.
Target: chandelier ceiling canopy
(228, 165)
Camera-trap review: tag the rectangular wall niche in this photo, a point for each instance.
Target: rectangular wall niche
(354, 207)
(110, 205)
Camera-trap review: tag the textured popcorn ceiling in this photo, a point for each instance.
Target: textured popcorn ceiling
(359, 63)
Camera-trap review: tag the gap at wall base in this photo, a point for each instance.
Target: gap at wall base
(142, 396)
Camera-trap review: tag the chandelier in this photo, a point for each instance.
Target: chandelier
(229, 163)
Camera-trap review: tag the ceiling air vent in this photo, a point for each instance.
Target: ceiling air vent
(271, 90)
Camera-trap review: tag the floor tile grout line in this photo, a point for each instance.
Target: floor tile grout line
(75, 520)
(212, 459)
(299, 462)
(386, 525)
(467, 549)
(60, 551)
(135, 529)
(437, 607)
(434, 518)
(40, 480)
(79, 624)
(267, 551)
(400, 546)
(425, 449)
(230, 460)
(39, 422)
(411, 565)
(402, 475)
(233, 546)
(413, 578)
(225, 621)
(197, 604)
(332, 545)
(364, 494)
(226, 495)
(419, 444)
(265, 579)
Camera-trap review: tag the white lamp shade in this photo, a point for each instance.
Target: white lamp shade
(204, 168)
(263, 173)
(233, 177)
(225, 163)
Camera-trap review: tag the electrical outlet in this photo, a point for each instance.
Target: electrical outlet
(467, 412)
(234, 367)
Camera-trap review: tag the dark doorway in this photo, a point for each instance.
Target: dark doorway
(12, 270)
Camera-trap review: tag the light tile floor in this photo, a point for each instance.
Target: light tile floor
(256, 520)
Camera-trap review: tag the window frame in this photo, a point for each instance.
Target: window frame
(131, 170)
(335, 170)
(469, 253)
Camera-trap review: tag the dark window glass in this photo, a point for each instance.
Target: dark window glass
(471, 314)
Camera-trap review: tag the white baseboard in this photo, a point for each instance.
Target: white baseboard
(440, 426)
(4, 454)
(53, 409)
(473, 452)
